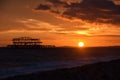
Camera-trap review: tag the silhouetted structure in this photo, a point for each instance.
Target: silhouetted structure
(27, 42)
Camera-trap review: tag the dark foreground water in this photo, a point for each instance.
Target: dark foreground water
(24, 61)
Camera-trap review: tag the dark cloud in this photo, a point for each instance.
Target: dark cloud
(101, 11)
(106, 36)
(43, 7)
(2, 3)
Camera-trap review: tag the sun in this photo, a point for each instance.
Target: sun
(81, 44)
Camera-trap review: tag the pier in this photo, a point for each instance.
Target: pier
(27, 42)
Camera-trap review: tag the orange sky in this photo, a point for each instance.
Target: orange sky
(61, 22)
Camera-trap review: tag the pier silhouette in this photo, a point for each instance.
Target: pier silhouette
(27, 42)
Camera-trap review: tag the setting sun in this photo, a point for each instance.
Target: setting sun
(81, 44)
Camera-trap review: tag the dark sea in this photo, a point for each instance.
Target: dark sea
(24, 61)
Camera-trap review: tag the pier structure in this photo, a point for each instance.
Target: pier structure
(27, 42)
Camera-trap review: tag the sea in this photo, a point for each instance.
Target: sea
(25, 61)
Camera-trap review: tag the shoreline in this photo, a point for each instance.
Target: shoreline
(101, 70)
(49, 66)
(15, 58)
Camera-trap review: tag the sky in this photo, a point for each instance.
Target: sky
(61, 22)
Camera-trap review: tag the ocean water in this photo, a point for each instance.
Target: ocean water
(17, 62)
(50, 65)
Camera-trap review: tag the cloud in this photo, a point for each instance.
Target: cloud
(106, 36)
(2, 3)
(100, 11)
(43, 7)
(116, 2)
(34, 24)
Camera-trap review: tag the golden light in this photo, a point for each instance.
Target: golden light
(81, 44)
